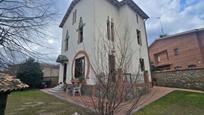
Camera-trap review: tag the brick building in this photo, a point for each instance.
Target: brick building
(180, 51)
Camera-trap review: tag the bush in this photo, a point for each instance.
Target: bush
(30, 72)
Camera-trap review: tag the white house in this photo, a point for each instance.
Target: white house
(89, 22)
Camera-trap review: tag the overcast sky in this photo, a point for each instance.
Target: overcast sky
(175, 16)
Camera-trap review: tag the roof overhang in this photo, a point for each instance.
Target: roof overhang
(62, 59)
(116, 3)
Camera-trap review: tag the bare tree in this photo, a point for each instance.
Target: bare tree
(22, 26)
(115, 88)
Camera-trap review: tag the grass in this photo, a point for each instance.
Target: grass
(35, 102)
(176, 103)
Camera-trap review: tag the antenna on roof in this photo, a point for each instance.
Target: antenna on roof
(163, 34)
(69, 1)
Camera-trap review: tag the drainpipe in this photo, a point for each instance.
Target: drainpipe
(147, 49)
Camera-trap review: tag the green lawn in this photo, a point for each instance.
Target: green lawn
(35, 102)
(176, 103)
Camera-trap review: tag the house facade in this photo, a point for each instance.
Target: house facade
(180, 51)
(88, 23)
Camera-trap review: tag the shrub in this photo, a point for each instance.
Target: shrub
(30, 72)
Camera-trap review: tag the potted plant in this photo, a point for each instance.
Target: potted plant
(81, 79)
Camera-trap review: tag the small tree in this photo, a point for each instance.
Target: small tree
(116, 88)
(30, 72)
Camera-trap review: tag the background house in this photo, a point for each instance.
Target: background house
(50, 74)
(180, 51)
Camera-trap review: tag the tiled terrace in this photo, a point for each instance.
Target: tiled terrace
(87, 102)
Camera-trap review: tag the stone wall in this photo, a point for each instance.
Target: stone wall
(189, 78)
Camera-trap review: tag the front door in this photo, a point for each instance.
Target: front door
(65, 73)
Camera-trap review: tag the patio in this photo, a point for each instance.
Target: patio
(87, 102)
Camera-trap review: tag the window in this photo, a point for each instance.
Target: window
(137, 18)
(111, 61)
(108, 28)
(81, 35)
(192, 66)
(157, 58)
(81, 31)
(112, 31)
(80, 67)
(176, 51)
(74, 18)
(142, 66)
(66, 41)
(139, 40)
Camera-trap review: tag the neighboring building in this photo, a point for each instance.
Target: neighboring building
(50, 74)
(86, 22)
(180, 51)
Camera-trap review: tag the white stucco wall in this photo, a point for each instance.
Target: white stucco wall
(94, 14)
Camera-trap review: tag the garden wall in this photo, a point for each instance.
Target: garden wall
(189, 78)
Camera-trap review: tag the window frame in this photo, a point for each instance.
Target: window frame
(142, 64)
(66, 43)
(81, 35)
(83, 68)
(74, 17)
(108, 24)
(112, 26)
(176, 51)
(139, 37)
(137, 18)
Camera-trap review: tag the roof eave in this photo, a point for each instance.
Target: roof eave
(73, 3)
(136, 8)
(116, 3)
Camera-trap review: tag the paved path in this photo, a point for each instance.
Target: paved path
(87, 102)
(188, 90)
